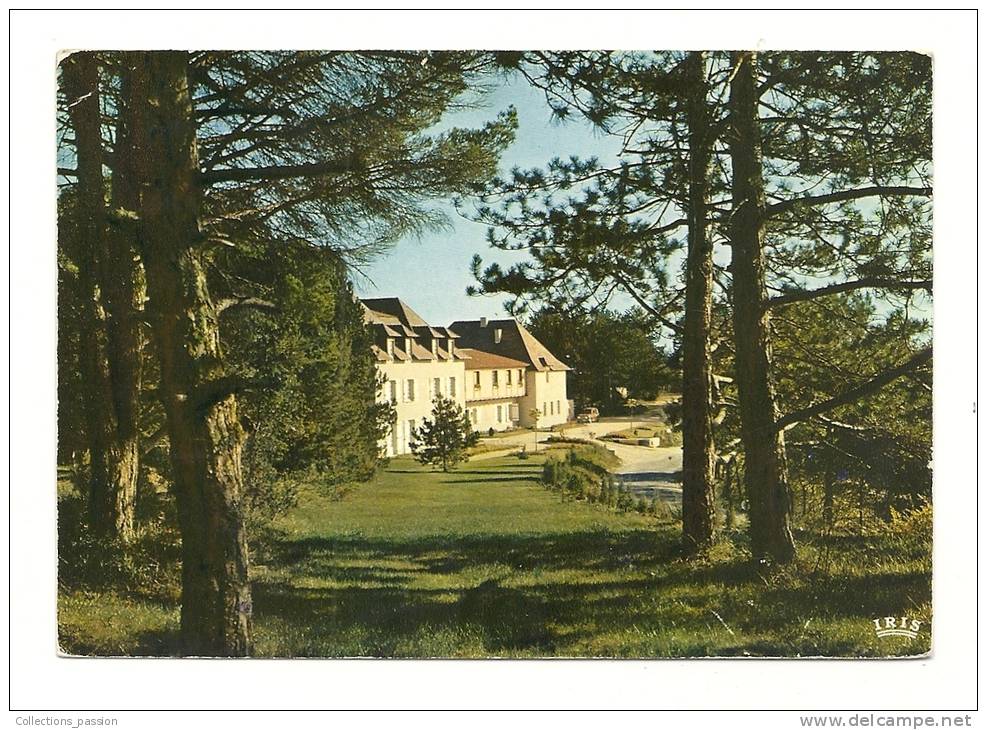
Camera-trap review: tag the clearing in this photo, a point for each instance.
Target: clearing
(484, 561)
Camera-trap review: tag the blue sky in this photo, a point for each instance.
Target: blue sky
(431, 273)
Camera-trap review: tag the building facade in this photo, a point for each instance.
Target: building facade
(495, 386)
(494, 369)
(417, 362)
(544, 388)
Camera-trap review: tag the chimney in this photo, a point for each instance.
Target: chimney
(483, 321)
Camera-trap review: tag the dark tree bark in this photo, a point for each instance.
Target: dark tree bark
(205, 434)
(729, 501)
(698, 515)
(765, 471)
(122, 295)
(110, 506)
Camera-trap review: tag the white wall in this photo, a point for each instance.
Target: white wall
(484, 415)
(423, 375)
(483, 397)
(545, 391)
(486, 390)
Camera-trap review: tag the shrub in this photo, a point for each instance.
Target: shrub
(912, 530)
(148, 566)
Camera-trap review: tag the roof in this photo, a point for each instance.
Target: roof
(515, 342)
(391, 310)
(480, 360)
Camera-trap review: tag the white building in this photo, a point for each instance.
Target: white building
(495, 370)
(417, 362)
(495, 386)
(544, 385)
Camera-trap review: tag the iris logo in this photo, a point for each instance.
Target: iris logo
(897, 626)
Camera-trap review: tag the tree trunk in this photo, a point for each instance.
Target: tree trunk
(698, 515)
(206, 437)
(728, 498)
(828, 489)
(80, 80)
(764, 447)
(122, 297)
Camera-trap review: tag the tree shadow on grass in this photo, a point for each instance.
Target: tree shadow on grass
(490, 480)
(542, 594)
(398, 609)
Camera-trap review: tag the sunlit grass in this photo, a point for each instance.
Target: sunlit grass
(484, 561)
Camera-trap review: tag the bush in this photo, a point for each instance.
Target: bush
(149, 566)
(912, 530)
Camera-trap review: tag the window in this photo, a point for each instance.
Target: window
(476, 379)
(546, 376)
(551, 408)
(394, 391)
(498, 336)
(544, 408)
(437, 387)
(411, 430)
(496, 374)
(508, 377)
(452, 387)
(474, 417)
(558, 407)
(500, 414)
(411, 391)
(390, 347)
(520, 377)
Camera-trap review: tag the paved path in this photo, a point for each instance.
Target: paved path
(650, 472)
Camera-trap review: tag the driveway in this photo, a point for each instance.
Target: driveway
(649, 472)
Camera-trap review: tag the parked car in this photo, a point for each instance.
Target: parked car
(588, 415)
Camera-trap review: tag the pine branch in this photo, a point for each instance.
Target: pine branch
(251, 302)
(844, 195)
(871, 282)
(282, 172)
(868, 387)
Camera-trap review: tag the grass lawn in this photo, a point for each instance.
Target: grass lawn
(643, 432)
(483, 561)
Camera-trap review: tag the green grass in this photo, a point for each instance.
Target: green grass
(484, 561)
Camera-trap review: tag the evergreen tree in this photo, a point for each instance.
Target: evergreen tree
(109, 344)
(230, 156)
(443, 440)
(316, 417)
(606, 350)
(819, 168)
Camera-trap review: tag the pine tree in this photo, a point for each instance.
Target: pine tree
(219, 159)
(443, 440)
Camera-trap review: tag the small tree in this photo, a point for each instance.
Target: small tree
(444, 440)
(535, 415)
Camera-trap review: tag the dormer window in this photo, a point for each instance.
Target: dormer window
(407, 346)
(390, 347)
(452, 347)
(435, 347)
(498, 335)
